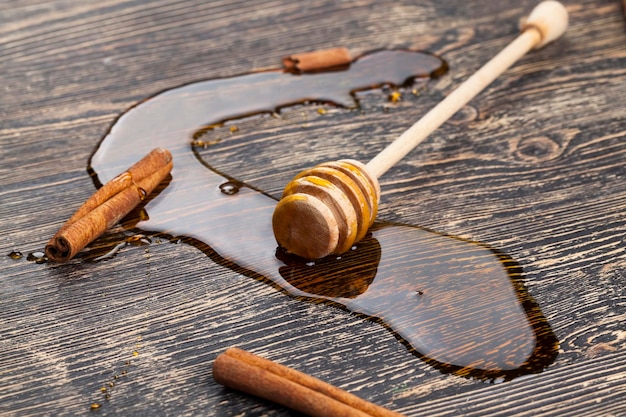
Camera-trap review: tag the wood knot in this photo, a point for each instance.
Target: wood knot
(537, 149)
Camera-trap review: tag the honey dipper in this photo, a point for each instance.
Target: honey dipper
(326, 209)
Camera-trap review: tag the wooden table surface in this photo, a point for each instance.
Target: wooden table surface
(533, 167)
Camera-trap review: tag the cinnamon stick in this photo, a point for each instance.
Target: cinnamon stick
(316, 61)
(109, 205)
(241, 370)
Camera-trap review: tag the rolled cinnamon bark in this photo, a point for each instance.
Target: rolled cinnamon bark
(316, 61)
(244, 371)
(109, 205)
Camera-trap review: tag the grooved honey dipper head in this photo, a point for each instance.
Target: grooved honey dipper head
(326, 209)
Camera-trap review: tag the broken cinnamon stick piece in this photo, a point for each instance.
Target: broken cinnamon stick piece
(316, 61)
(244, 371)
(109, 205)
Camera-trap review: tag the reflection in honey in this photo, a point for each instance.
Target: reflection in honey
(460, 306)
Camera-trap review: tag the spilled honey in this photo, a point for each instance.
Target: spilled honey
(460, 306)
(37, 257)
(15, 254)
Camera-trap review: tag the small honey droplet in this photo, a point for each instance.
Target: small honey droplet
(395, 96)
(138, 240)
(15, 255)
(230, 187)
(95, 406)
(111, 384)
(37, 257)
(233, 129)
(322, 110)
(103, 389)
(135, 353)
(142, 193)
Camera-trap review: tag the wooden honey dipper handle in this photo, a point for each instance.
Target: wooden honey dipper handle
(327, 208)
(545, 23)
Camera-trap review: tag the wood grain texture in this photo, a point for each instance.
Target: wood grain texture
(534, 167)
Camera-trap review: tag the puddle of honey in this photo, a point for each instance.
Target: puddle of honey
(460, 306)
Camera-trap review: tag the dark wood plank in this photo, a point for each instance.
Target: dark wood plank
(533, 167)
